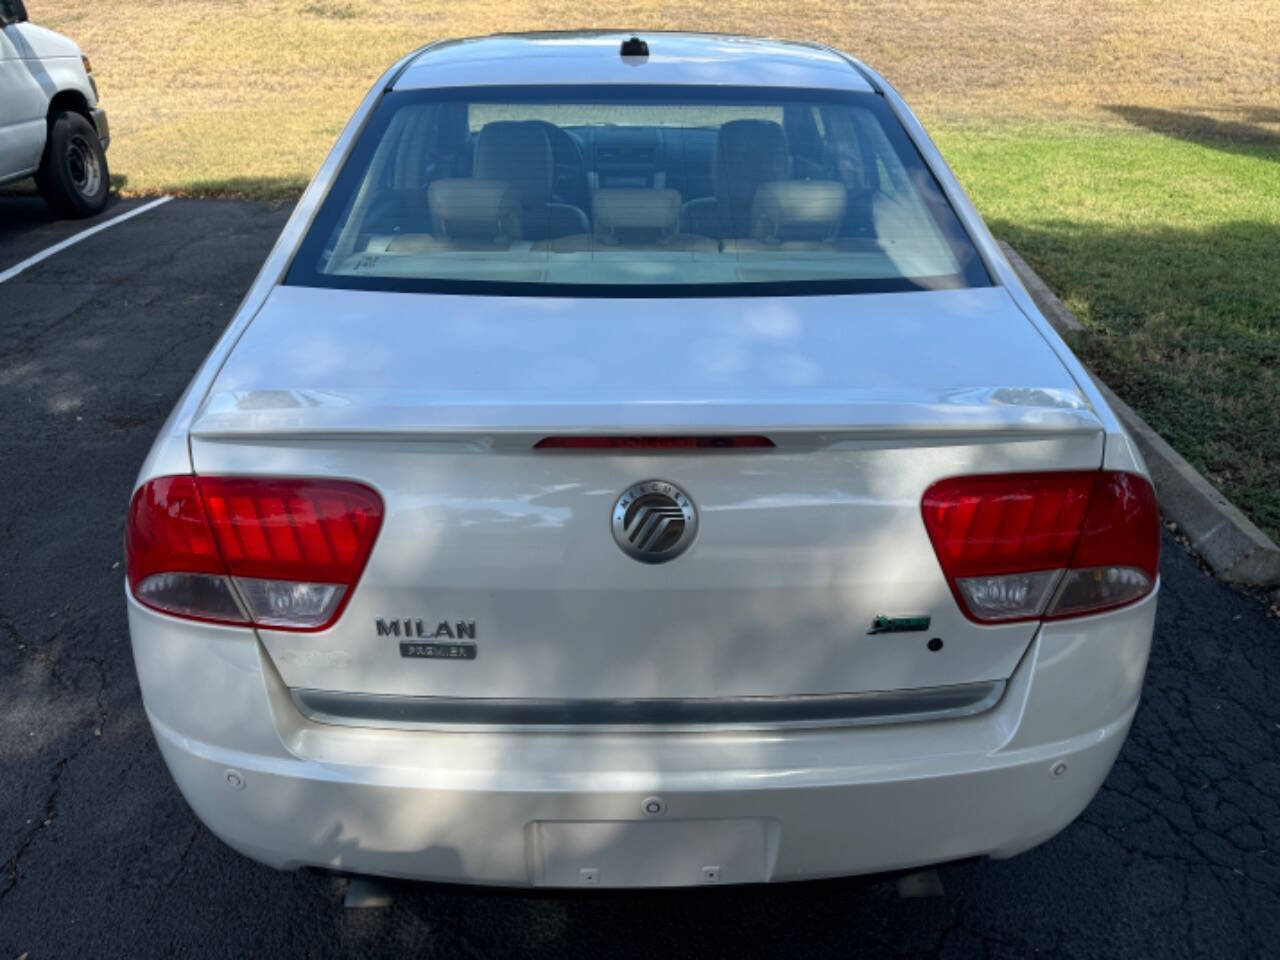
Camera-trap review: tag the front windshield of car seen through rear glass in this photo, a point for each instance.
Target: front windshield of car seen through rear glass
(635, 190)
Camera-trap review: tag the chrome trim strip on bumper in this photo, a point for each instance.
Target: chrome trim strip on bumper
(698, 714)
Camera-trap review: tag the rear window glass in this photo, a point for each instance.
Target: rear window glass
(635, 191)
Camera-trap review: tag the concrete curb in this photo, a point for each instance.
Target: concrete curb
(1228, 541)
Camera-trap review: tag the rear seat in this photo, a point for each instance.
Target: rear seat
(467, 215)
(485, 215)
(794, 215)
(635, 219)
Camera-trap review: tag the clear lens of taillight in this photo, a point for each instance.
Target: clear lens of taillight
(283, 603)
(1010, 596)
(1031, 545)
(281, 553)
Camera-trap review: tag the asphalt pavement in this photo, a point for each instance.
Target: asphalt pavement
(1179, 855)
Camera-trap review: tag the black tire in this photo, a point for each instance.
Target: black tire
(73, 176)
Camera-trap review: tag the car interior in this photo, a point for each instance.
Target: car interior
(792, 181)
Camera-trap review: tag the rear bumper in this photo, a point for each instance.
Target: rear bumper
(480, 807)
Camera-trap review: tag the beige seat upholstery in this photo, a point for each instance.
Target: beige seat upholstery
(636, 219)
(798, 210)
(636, 214)
(475, 209)
(466, 215)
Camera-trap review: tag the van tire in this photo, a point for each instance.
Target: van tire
(73, 176)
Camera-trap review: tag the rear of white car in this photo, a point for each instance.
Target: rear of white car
(621, 543)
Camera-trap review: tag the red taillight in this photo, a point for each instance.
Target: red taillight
(1033, 545)
(281, 553)
(652, 443)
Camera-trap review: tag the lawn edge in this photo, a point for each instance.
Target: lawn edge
(1234, 548)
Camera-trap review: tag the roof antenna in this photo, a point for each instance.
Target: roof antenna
(635, 47)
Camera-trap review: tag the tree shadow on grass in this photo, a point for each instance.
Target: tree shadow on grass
(1248, 131)
(260, 189)
(23, 211)
(1185, 326)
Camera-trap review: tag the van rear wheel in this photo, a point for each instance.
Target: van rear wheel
(73, 176)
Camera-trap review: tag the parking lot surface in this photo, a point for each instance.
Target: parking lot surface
(1179, 855)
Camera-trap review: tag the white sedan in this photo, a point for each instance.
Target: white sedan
(637, 465)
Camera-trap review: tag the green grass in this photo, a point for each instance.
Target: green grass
(1168, 251)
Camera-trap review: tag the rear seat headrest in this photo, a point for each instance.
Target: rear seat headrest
(623, 213)
(475, 209)
(798, 210)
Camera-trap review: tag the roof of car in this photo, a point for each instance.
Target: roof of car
(594, 57)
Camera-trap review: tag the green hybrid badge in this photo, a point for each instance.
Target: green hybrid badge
(884, 624)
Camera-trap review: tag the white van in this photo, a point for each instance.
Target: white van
(50, 123)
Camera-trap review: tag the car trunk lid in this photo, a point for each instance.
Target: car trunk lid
(811, 572)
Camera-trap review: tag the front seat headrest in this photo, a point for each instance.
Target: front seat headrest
(747, 154)
(520, 154)
(798, 210)
(475, 210)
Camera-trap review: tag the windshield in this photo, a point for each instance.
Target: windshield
(635, 190)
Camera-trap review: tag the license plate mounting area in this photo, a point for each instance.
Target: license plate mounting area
(659, 853)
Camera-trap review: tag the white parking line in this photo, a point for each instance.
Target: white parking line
(82, 235)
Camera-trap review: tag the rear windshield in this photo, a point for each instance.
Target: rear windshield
(635, 191)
